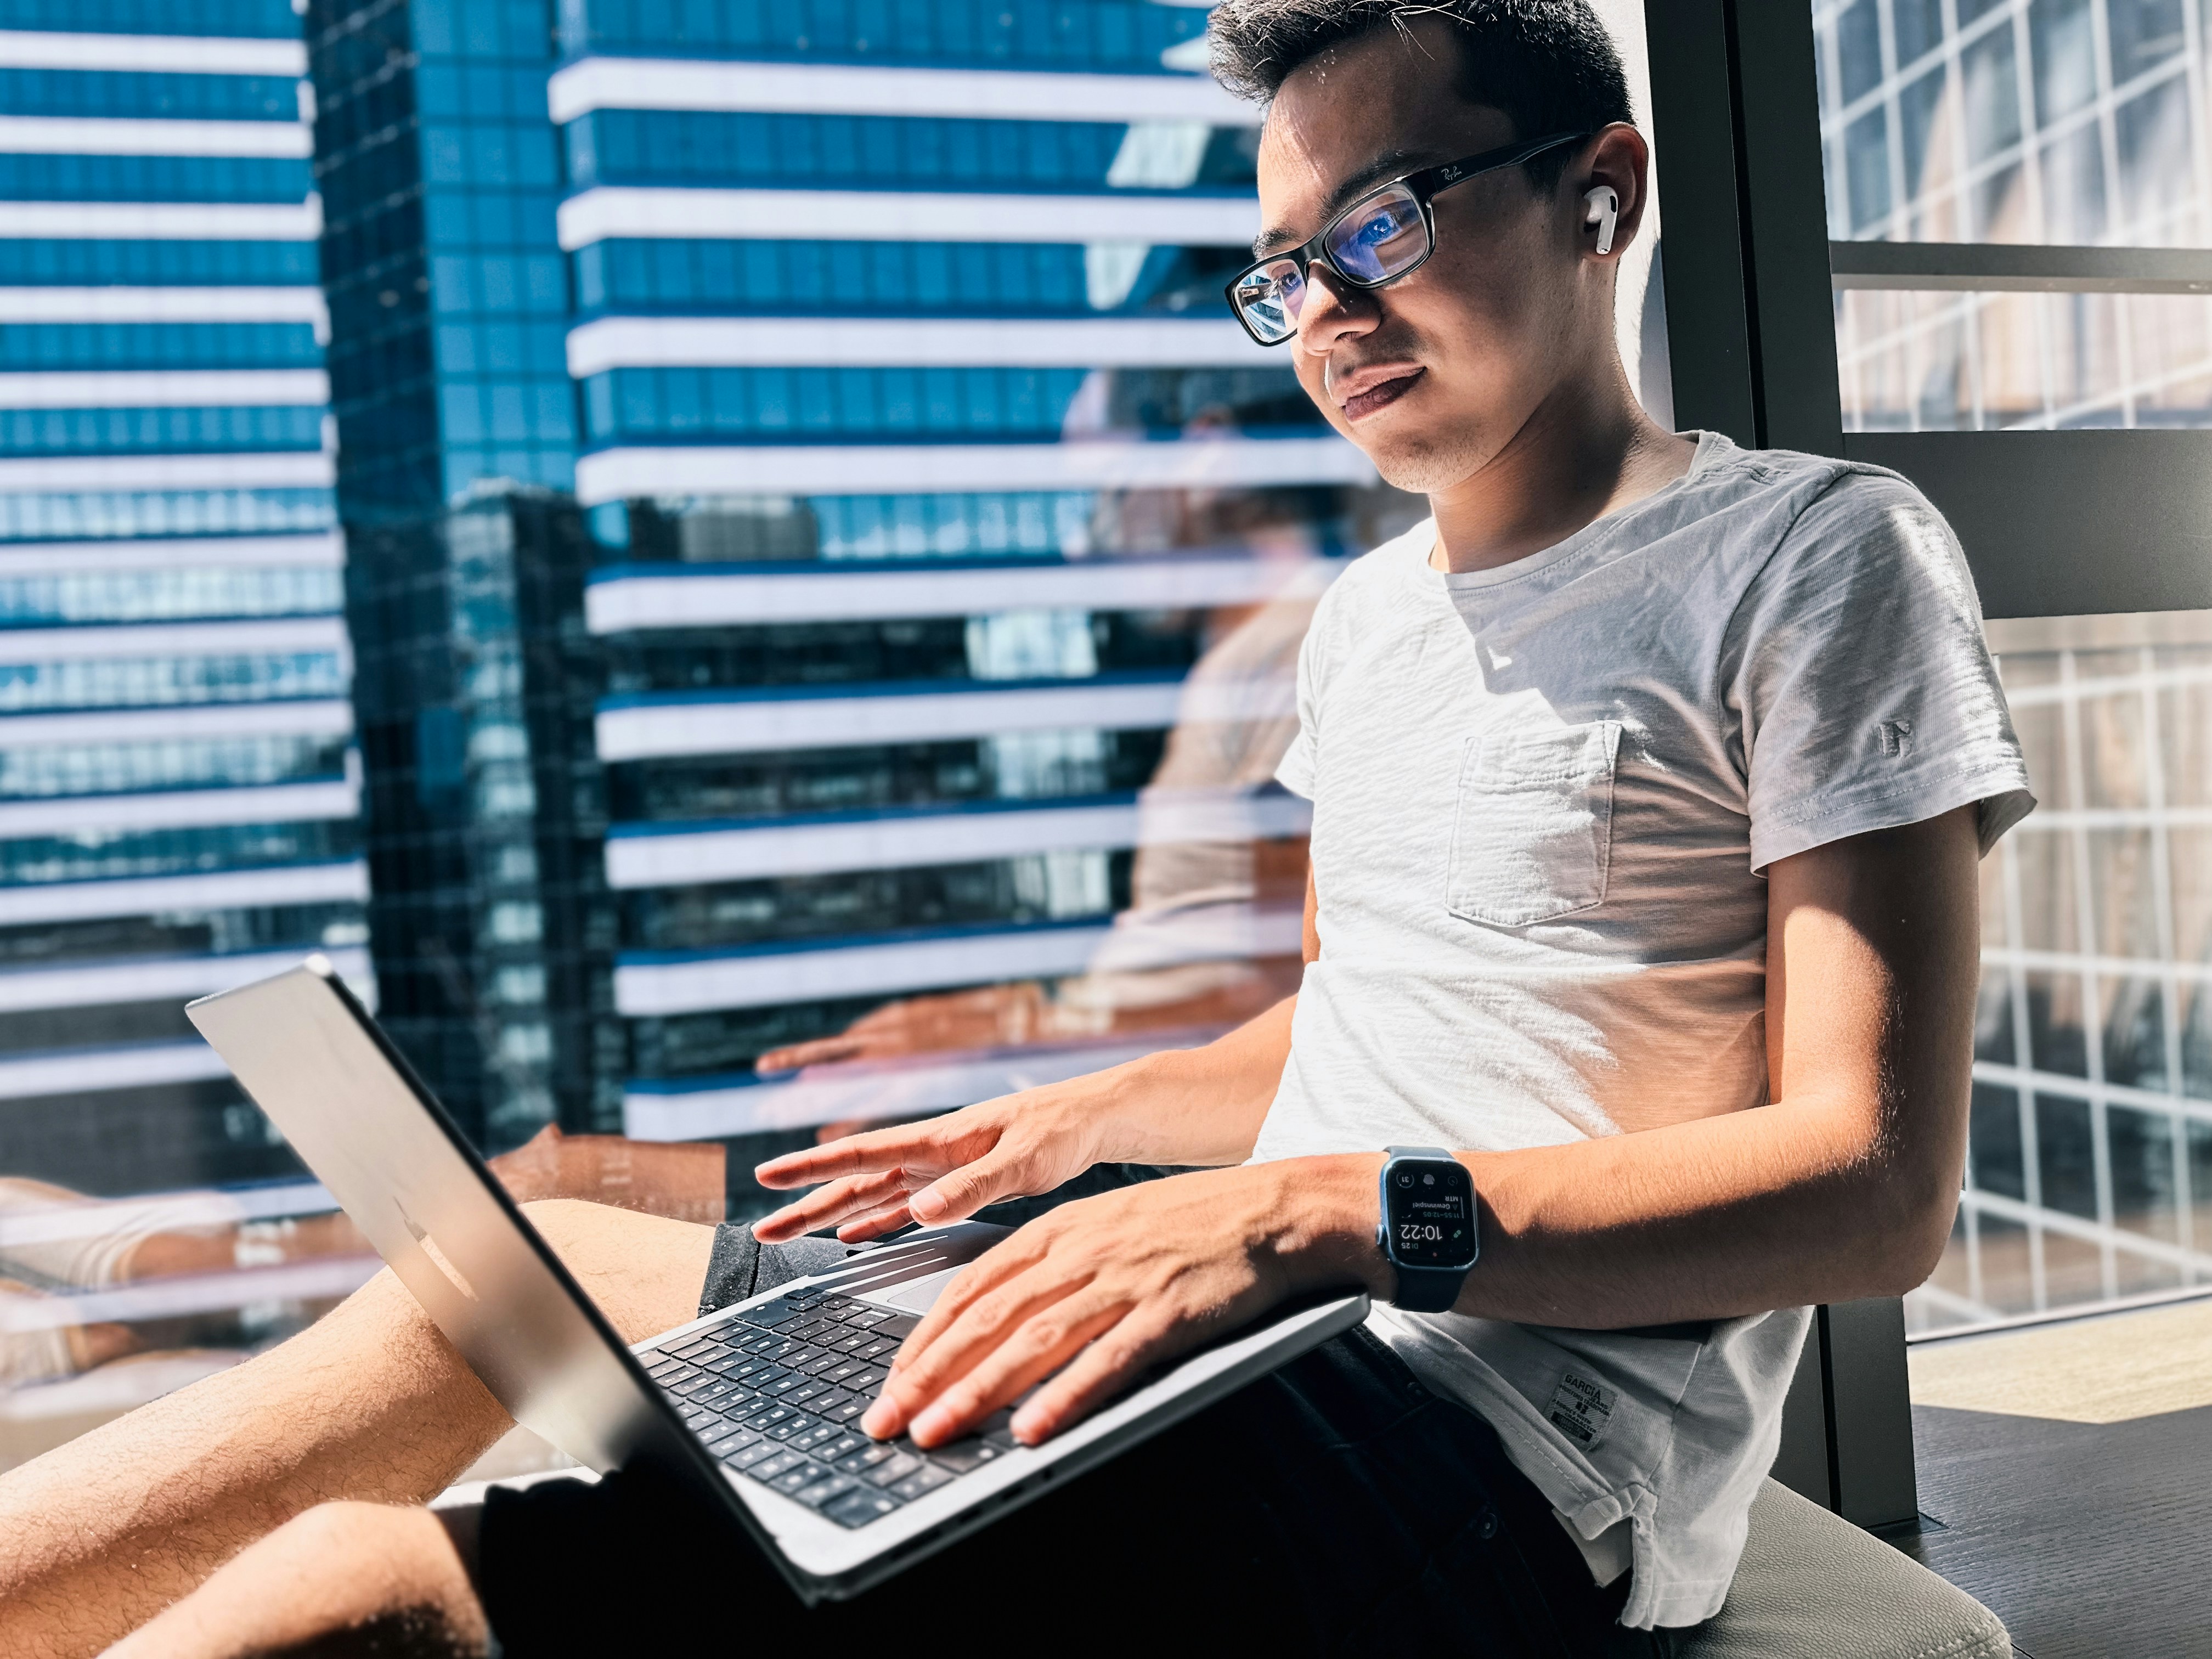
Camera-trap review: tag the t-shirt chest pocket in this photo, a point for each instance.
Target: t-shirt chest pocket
(1532, 835)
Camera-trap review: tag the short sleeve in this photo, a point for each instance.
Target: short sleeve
(1863, 689)
(1299, 770)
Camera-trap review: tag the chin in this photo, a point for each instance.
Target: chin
(1423, 466)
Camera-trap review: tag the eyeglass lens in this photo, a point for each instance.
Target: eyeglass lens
(1270, 297)
(1382, 237)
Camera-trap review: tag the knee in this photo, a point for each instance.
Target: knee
(644, 1270)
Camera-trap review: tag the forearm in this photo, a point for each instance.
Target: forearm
(1194, 1106)
(1774, 1207)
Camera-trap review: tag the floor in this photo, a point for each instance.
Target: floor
(2069, 1469)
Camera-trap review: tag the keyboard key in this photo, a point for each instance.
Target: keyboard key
(894, 1468)
(820, 1364)
(661, 1367)
(759, 1452)
(783, 1385)
(877, 1452)
(849, 1411)
(869, 1320)
(769, 1315)
(791, 1428)
(696, 1345)
(818, 1434)
(768, 1416)
(817, 1494)
(806, 1392)
(791, 1482)
(844, 1366)
(731, 1438)
(844, 1446)
(859, 1506)
(962, 1455)
(866, 1382)
(697, 1385)
(875, 1348)
(921, 1480)
(782, 1462)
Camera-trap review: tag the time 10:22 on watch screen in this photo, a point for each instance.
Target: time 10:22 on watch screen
(1432, 1216)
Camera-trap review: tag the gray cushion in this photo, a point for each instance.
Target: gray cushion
(1814, 1585)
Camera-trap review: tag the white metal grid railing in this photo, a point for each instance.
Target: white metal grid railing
(2097, 931)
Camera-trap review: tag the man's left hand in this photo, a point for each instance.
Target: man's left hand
(1100, 1289)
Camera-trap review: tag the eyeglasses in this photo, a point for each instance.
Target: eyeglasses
(1387, 234)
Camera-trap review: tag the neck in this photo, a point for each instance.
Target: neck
(1587, 450)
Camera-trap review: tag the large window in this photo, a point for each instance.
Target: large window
(2026, 137)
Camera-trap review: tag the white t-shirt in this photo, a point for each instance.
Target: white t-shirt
(1543, 796)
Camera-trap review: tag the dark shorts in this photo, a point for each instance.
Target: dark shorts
(1336, 1506)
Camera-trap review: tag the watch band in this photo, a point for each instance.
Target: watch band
(1420, 1290)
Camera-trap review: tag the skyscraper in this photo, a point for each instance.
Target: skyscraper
(448, 298)
(178, 787)
(924, 463)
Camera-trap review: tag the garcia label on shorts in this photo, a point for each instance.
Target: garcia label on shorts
(1581, 1409)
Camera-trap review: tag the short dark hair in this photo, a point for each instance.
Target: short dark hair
(1549, 64)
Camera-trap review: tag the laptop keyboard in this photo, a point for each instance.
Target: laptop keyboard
(776, 1392)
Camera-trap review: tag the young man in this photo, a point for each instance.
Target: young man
(1649, 780)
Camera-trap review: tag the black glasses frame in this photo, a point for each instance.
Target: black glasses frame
(1423, 186)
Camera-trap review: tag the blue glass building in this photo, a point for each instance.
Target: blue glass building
(448, 299)
(923, 462)
(179, 787)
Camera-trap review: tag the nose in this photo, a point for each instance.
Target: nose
(1334, 311)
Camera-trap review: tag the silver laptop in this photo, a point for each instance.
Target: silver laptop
(755, 1405)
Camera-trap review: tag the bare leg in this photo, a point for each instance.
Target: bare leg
(371, 1404)
(387, 1578)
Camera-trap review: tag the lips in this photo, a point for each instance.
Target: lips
(1379, 394)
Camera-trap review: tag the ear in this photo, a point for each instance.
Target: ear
(1616, 165)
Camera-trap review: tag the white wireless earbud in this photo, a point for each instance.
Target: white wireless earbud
(1604, 213)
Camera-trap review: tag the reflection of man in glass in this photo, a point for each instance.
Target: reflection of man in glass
(1649, 777)
(1203, 945)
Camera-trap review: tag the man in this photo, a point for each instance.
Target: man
(1649, 779)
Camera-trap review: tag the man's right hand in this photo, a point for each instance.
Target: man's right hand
(941, 1170)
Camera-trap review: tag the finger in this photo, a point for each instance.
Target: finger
(880, 1149)
(820, 1052)
(860, 1229)
(1043, 1343)
(1103, 1369)
(987, 1323)
(827, 1206)
(966, 1189)
(1001, 1262)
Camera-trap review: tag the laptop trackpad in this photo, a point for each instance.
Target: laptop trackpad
(916, 1295)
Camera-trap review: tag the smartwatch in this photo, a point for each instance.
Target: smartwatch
(1427, 1230)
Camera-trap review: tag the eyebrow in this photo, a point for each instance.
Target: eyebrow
(1382, 170)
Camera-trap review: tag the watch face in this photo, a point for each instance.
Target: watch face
(1429, 1207)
